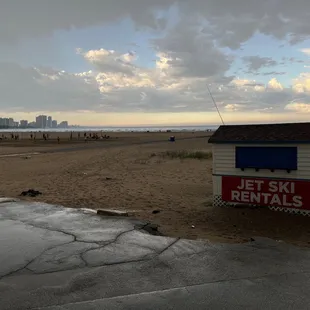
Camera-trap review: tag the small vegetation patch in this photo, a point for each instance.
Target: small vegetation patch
(187, 154)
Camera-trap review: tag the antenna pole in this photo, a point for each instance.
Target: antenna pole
(218, 111)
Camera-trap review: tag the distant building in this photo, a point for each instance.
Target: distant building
(49, 122)
(54, 124)
(41, 121)
(63, 124)
(23, 123)
(11, 122)
(32, 125)
(4, 122)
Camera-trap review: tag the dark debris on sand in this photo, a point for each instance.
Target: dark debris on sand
(30, 193)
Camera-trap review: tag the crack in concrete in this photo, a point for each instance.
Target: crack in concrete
(168, 246)
(107, 244)
(25, 267)
(81, 255)
(32, 260)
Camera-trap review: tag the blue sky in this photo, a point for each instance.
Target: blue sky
(267, 46)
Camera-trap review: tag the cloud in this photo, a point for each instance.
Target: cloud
(194, 52)
(155, 89)
(298, 107)
(301, 84)
(230, 22)
(36, 89)
(274, 84)
(254, 63)
(110, 61)
(273, 73)
(236, 21)
(186, 52)
(38, 18)
(306, 51)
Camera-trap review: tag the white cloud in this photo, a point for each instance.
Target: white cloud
(45, 89)
(233, 107)
(148, 90)
(306, 51)
(110, 61)
(302, 83)
(108, 87)
(298, 107)
(274, 84)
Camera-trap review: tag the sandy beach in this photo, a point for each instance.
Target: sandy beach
(140, 173)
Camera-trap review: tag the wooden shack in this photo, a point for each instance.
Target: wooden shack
(266, 165)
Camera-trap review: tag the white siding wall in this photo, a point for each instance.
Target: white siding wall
(224, 163)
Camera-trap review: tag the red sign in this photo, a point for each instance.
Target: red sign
(267, 192)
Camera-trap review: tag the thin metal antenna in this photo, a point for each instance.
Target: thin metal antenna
(218, 111)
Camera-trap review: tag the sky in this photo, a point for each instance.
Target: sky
(151, 62)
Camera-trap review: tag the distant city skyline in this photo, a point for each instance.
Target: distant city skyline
(41, 121)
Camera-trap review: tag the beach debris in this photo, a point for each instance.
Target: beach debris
(31, 193)
(193, 226)
(107, 212)
(108, 178)
(252, 239)
(87, 210)
(156, 211)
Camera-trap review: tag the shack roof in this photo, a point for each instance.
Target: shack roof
(262, 133)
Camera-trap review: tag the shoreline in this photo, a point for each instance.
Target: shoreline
(114, 129)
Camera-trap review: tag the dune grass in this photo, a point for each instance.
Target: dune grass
(187, 154)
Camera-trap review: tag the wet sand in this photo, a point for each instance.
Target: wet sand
(132, 172)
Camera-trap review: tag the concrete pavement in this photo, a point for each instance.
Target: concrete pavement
(56, 258)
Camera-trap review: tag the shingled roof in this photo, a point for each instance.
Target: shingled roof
(263, 133)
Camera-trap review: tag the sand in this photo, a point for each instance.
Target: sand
(129, 171)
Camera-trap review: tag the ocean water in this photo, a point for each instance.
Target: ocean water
(116, 129)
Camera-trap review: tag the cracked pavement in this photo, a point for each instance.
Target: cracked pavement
(61, 259)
